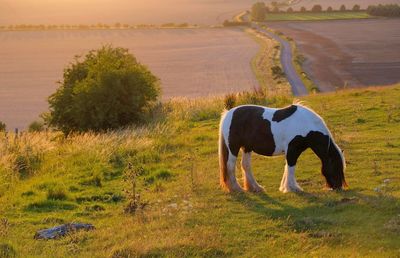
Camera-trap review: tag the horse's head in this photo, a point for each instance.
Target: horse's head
(333, 168)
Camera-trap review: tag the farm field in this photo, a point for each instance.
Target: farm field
(337, 3)
(189, 62)
(354, 53)
(316, 16)
(81, 179)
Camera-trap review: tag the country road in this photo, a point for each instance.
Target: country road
(298, 87)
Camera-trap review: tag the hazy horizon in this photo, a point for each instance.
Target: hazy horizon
(205, 12)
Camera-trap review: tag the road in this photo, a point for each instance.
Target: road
(298, 87)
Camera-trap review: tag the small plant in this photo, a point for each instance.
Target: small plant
(7, 251)
(3, 127)
(229, 101)
(4, 226)
(57, 193)
(133, 196)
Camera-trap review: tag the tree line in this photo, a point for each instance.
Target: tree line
(259, 10)
(387, 10)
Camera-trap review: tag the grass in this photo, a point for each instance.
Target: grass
(317, 16)
(187, 214)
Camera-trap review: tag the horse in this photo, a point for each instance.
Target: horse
(270, 132)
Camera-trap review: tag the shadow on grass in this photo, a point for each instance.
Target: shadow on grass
(320, 212)
(172, 251)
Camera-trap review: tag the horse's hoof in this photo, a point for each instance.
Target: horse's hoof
(255, 189)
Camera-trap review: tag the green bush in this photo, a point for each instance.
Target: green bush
(108, 89)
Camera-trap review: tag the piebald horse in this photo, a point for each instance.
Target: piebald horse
(269, 131)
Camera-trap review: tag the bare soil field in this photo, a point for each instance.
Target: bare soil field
(126, 11)
(352, 53)
(189, 62)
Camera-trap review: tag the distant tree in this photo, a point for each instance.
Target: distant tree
(316, 8)
(342, 8)
(108, 89)
(330, 9)
(258, 11)
(356, 8)
(3, 127)
(303, 9)
(267, 10)
(275, 9)
(289, 10)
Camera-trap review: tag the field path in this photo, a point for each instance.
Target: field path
(298, 87)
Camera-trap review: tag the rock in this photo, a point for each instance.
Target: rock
(62, 230)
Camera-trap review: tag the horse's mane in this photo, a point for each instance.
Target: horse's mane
(302, 104)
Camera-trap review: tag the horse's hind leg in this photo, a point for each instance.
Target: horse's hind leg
(232, 183)
(250, 184)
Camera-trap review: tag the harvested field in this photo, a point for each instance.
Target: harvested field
(124, 11)
(189, 62)
(353, 53)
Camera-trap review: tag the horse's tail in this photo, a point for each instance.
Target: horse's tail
(223, 154)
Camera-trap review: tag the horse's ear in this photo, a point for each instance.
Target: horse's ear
(343, 151)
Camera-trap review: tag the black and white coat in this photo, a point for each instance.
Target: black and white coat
(270, 132)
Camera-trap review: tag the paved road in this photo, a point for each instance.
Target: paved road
(298, 87)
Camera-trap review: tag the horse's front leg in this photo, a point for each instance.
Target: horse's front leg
(288, 182)
(250, 184)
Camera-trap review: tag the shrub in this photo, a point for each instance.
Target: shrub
(316, 8)
(36, 126)
(3, 127)
(106, 90)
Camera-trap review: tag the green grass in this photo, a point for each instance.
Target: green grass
(318, 16)
(187, 214)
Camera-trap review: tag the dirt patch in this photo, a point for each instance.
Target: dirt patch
(353, 53)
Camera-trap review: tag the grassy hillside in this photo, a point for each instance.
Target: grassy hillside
(311, 16)
(47, 180)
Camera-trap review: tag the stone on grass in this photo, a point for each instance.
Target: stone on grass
(62, 230)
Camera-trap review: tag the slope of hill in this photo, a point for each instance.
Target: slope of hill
(46, 180)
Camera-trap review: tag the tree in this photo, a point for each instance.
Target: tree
(330, 9)
(275, 9)
(342, 8)
(258, 11)
(289, 10)
(356, 8)
(316, 8)
(108, 89)
(303, 9)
